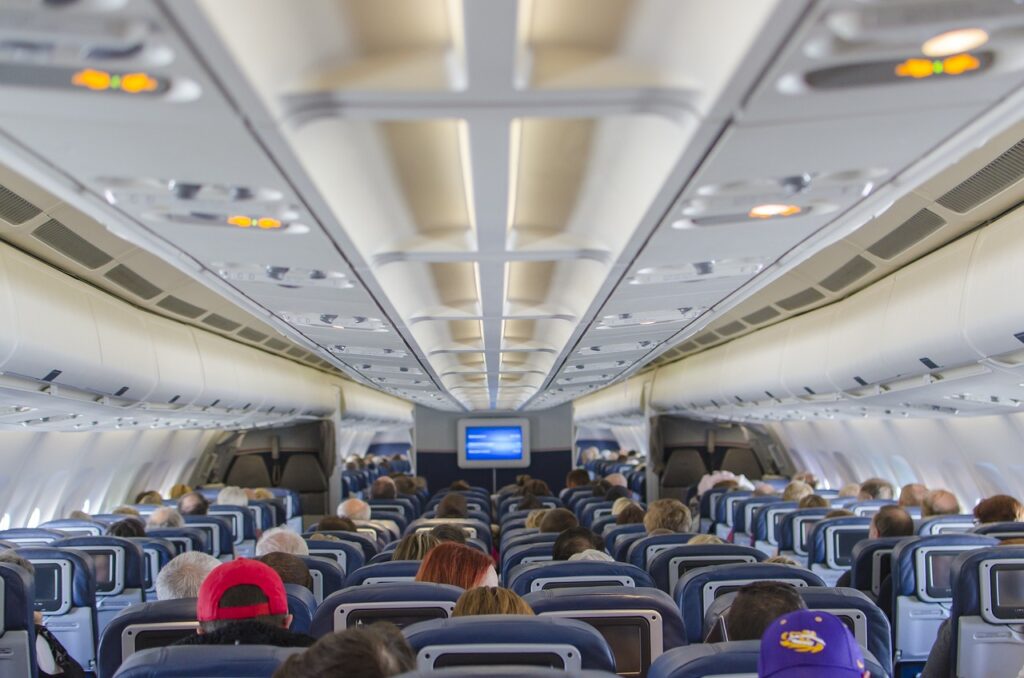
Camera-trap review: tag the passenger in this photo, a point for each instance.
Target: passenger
(710, 481)
(193, 504)
(704, 539)
(537, 488)
(150, 497)
(232, 496)
(406, 486)
(631, 515)
(259, 494)
(999, 508)
(616, 480)
(165, 516)
(376, 651)
(283, 540)
(813, 501)
(529, 503)
(807, 477)
(79, 515)
(383, 488)
(452, 506)
(244, 603)
(615, 493)
(810, 643)
(757, 605)
(784, 560)
(940, 503)
(459, 486)
(913, 494)
(490, 600)
(592, 554)
(533, 518)
(891, 521)
(415, 546)
(323, 536)
(589, 454)
(849, 490)
(421, 484)
(126, 511)
(764, 490)
(620, 504)
(577, 478)
(662, 532)
(449, 533)
(876, 488)
(129, 527)
(289, 568)
(558, 520)
(178, 490)
(797, 490)
(575, 540)
(458, 565)
(355, 509)
(670, 514)
(839, 513)
(336, 524)
(183, 575)
(727, 485)
(52, 658)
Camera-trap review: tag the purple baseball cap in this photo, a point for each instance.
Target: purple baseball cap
(809, 644)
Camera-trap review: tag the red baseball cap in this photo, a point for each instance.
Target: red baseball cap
(241, 572)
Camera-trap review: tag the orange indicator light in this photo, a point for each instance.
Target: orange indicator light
(240, 221)
(137, 82)
(268, 223)
(961, 63)
(926, 68)
(265, 223)
(91, 79)
(101, 81)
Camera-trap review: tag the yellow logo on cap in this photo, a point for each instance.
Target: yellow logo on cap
(802, 641)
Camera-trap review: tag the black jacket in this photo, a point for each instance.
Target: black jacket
(250, 633)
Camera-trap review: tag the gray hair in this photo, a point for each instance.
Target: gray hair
(165, 516)
(356, 509)
(182, 577)
(10, 557)
(281, 540)
(233, 496)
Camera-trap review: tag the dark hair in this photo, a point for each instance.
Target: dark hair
(757, 605)
(601, 487)
(630, 515)
(558, 520)
(198, 503)
(616, 492)
(243, 595)
(376, 651)
(405, 485)
(892, 521)
(577, 478)
(528, 502)
(813, 501)
(575, 540)
(383, 488)
(459, 485)
(537, 488)
(129, 527)
(452, 506)
(999, 508)
(877, 488)
(336, 524)
(290, 568)
(449, 533)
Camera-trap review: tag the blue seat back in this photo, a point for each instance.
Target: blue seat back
(866, 509)
(401, 603)
(349, 556)
(525, 553)
(17, 627)
(830, 550)
(534, 537)
(328, 576)
(242, 525)
(222, 539)
(301, 605)
(726, 503)
(398, 519)
(474, 528)
(142, 626)
(734, 658)
(74, 527)
(642, 551)
(743, 512)
(406, 507)
(237, 661)
(32, 536)
(395, 570)
(997, 530)
(791, 531)
(183, 538)
(768, 518)
(365, 544)
(668, 566)
(156, 553)
(574, 573)
(948, 524)
(612, 538)
(872, 563)
(594, 510)
(119, 565)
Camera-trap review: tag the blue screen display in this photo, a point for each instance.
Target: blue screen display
(494, 443)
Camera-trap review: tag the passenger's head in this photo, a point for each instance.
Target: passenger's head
(383, 488)
(807, 477)
(126, 511)
(459, 486)
(151, 497)
(450, 533)
(670, 514)
(178, 490)
(356, 509)
(289, 568)
(876, 488)
(619, 504)
(615, 493)
(616, 480)
(757, 605)
(459, 565)
(813, 501)
(193, 504)
(336, 524)
(283, 540)
(452, 506)
(783, 560)
(405, 485)
(528, 502)
(913, 494)
(999, 508)
(797, 490)
(415, 545)
(839, 513)
(165, 516)
(891, 521)
(810, 643)
(12, 557)
(763, 490)
(940, 503)
(232, 496)
(129, 527)
(533, 518)
(259, 494)
(575, 540)
(577, 478)
(490, 600)
(79, 515)
(376, 651)
(536, 487)
(631, 515)
(558, 520)
(726, 484)
(849, 490)
(242, 590)
(323, 536)
(699, 539)
(183, 575)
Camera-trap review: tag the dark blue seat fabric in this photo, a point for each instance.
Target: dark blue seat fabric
(408, 509)
(618, 539)
(293, 502)
(73, 527)
(997, 530)
(477, 636)
(328, 576)
(863, 562)
(904, 574)
(525, 553)
(644, 549)
(869, 507)
(224, 546)
(946, 524)
(195, 539)
(301, 605)
(395, 570)
(569, 494)
(401, 599)
(664, 567)
(397, 518)
(156, 553)
(818, 547)
(506, 672)
(207, 661)
(698, 588)
(18, 629)
(110, 655)
(264, 514)
(594, 510)
(785, 530)
(479, 516)
(760, 531)
(248, 522)
(482, 530)
(848, 602)
(350, 552)
(514, 532)
(529, 538)
(134, 565)
(32, 536)
(726, 505)
(746, 507)
(538, 576)
(708, 501)
(511, 504)
(365, 544)
(738, 657)
(603, 523)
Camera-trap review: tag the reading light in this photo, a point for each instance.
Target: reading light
(953, 42)
(772, 210)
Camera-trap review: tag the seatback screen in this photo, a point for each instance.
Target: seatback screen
(48, 587)
(629, 639)
(1008, 591)
(145, 640)
(844, 543)
(551, 660)
(938, 567)
(399, 617)
(103, 563)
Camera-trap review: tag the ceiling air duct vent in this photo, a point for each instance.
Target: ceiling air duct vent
(706, 338)
(801, 299)
(276, 345)
(993, 178)
(221, 323)
(296, 352)
(848, 273)
(732, 328)
(910, 232)
(70, 244)
(14, 209)
(180, 307)
(250, 334)
(132, 281)
(761, 315)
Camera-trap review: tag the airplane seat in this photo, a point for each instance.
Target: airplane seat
(303, 474)
(144, 626)
(264, 514)
(742, 461)
(120, 567)
(367, 545)
(534, 537)
(242, 525)
(507, 640)
(480, 516)
(404, 506)
(577, 500)
(514, 533)
(183, 538)
(32, 536)
(397, 518)
(328, 576)
(218, 530)
(699, 588)
(986, 618)
(922, 593)
(74, 527)
(65, 593)
(237, 661)
(525, 553)
(511, 503)
(591, 511)
(872, 563)
(948, 524)
(642, 551)
(474, 501)
(669, 566)
(639, 624)
(474, 529)
(17, 626)
(764, 530)
(393, 571)
(997, 530)
(401, 603)
(866, 509)
(830, 548)
(541, 576)
(707, 505)
(248, 470)
(301, 605)
(743, 518)
(683, 469)
(513, 516)
(619, 538)
(7, 544)
(794, 531)
(571, 493)
(724, 512)
(600, 524)
(732, 659)
(347, 555)
(293, 506)
(506, 672)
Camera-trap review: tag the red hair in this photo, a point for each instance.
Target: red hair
(451, 563)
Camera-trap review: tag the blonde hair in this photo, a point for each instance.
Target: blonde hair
(533, 518)
(705, 539)
(126, 511)
(262, 494)
(783, 560)
(670, 514)
(415, 546)
(796, 491)
(178, 489)
(490, 600)
(620, 504)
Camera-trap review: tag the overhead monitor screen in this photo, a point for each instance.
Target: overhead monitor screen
(494, 443)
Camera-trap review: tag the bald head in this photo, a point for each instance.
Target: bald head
(616, 480)
(355, 509)
(383, 488)
(940, 503)
(165, 516)
(913, 494)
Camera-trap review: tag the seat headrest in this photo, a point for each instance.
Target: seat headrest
(785, 531)
(733, 657)
(739, 510)
(237, 661)
(75, 526)
(395, 569)
(20, 535)
(515, 555)
(83, 576)
(486, 630)
(998, 530)
(355, 557)
(863, 556)
(412, 592)
(759, 529)
(301, 605)
(726, 501)
(535, 576)
(195, 536)
(817, 546)
(17, 598)
(134, 560)
(869, 507)
(637, 552)
(248, 522)
(876, 624)
(506, 672)
(966, 576)
(109, 655)
(365, 544)
(604, 598)
(227, 540)
(933, 524)
(904, 573)
(662, 569)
